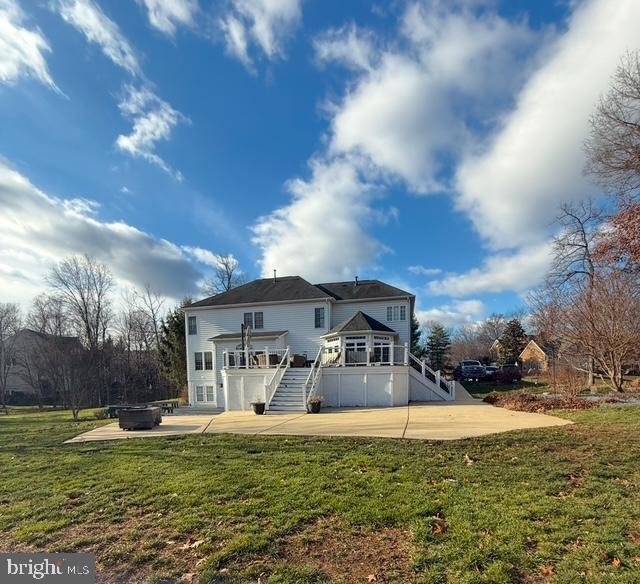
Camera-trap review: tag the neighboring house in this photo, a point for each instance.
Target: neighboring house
(27, 379)
(345, 341)
(532, 357)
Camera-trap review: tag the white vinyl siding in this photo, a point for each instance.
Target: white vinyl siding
(297, 318)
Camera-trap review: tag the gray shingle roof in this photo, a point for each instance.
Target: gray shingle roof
(364, 290)
(266, 290)
(361, 322)
(297, 288)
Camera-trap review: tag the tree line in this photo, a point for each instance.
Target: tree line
(76, 349)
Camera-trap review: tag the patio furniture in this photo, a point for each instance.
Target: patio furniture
(167, 407)
(298, 360)
(139, 418)
(274, 359)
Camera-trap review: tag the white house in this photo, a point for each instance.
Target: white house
(347, 342)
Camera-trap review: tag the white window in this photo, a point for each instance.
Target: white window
(198, 361)
(199, 393)
(258, 320)
(319, 317)
(211, 396)
(396, 313)
(193, 326)
(208, 360)
(248, 319)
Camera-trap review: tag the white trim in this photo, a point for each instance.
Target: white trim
(329, 299)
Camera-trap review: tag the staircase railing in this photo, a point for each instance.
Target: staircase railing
(271, 386)
(311, 384)
(435, 377)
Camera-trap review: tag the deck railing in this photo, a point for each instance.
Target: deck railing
(253, 358)
(271, 386)
(377, 355)
(311, 384)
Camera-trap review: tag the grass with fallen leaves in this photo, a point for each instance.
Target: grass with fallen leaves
(550, 505)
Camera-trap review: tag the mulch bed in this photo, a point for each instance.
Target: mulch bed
(538, 404)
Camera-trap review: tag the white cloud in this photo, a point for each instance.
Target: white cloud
(512, 271)
(401, 110)
(513, 189)
(412, 105)
(167, 15)
(422, 271)
(265, 24)
(22, 51)
(37, 230)
(457, 313)
(353, 47)
(153, 121)
(320, 234)
(98, 28)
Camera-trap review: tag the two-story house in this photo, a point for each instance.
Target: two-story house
(284, 340)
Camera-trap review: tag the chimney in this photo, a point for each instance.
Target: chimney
(356, 281)
(275, 279)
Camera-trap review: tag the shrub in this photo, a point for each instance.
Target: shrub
(101, 414)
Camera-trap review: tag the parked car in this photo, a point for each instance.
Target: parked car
(508, 374)
(473, 370)
(490, 372)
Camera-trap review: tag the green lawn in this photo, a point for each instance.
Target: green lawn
(552, 505)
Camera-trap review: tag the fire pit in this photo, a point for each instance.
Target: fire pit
(139, 418)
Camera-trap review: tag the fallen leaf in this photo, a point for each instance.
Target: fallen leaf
(468, 460)
(440, 527)
(548, 570)
(634, 536)
(197, 544)
(616, 563)
(372, 578)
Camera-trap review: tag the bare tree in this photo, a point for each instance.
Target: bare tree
(226, 275)
(10, 324)
(614, 145)
(575, 250)
(151, 303)
(593, 322)
(84, 286)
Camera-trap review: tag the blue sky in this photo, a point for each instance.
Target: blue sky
(425, 143)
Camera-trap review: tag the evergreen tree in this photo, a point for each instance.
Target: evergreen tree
(173, 350)
(512, 341)
(438, 345)
(416, 346)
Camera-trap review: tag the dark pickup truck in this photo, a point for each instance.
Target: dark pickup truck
(471, 370)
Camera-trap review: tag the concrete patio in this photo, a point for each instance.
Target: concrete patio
(464, 418)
